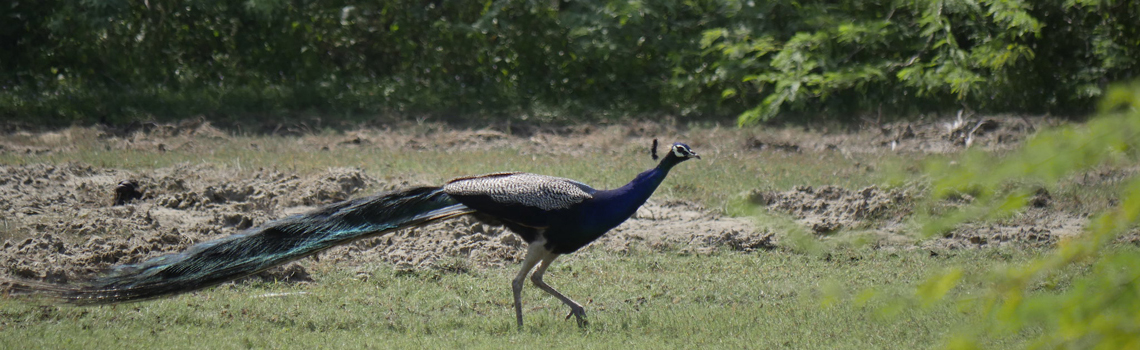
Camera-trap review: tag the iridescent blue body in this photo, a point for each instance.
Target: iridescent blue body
(568, 229)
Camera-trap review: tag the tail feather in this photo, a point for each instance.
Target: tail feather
(291, 238)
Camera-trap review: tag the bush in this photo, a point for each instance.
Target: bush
(849, 59)
(1098, 308)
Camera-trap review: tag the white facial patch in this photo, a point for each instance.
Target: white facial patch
(680, 153)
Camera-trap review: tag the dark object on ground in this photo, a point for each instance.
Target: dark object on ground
(126, 191)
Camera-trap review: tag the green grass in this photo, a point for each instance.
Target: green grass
(640, 300)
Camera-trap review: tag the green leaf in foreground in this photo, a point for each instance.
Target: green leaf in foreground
(1099, 309)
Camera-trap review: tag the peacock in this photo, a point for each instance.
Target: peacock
(553, 215)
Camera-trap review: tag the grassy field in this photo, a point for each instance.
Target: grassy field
(645, 300)
(854, 298)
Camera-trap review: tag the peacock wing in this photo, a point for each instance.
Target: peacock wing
(542, 192)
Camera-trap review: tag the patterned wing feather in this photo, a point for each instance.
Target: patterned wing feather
(531, 190)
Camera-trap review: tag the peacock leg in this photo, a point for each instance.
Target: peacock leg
(534, 253)
(576, 309)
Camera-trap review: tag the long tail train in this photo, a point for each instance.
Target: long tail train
(278, 242)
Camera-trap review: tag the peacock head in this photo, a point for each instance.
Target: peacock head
(679, 152)
(683, 152)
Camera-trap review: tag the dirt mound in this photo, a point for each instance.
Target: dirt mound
(885, 213)
(685, 226)
(829, 208)
(61, 218)
(921, 136)
(994, 132)
(1034, 226)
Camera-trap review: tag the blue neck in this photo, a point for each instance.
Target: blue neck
(620, 203)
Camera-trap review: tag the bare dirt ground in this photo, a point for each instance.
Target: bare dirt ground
(60, 223)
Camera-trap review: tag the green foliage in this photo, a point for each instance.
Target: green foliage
(1098, 310)
(907, 57)
(117, 61)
